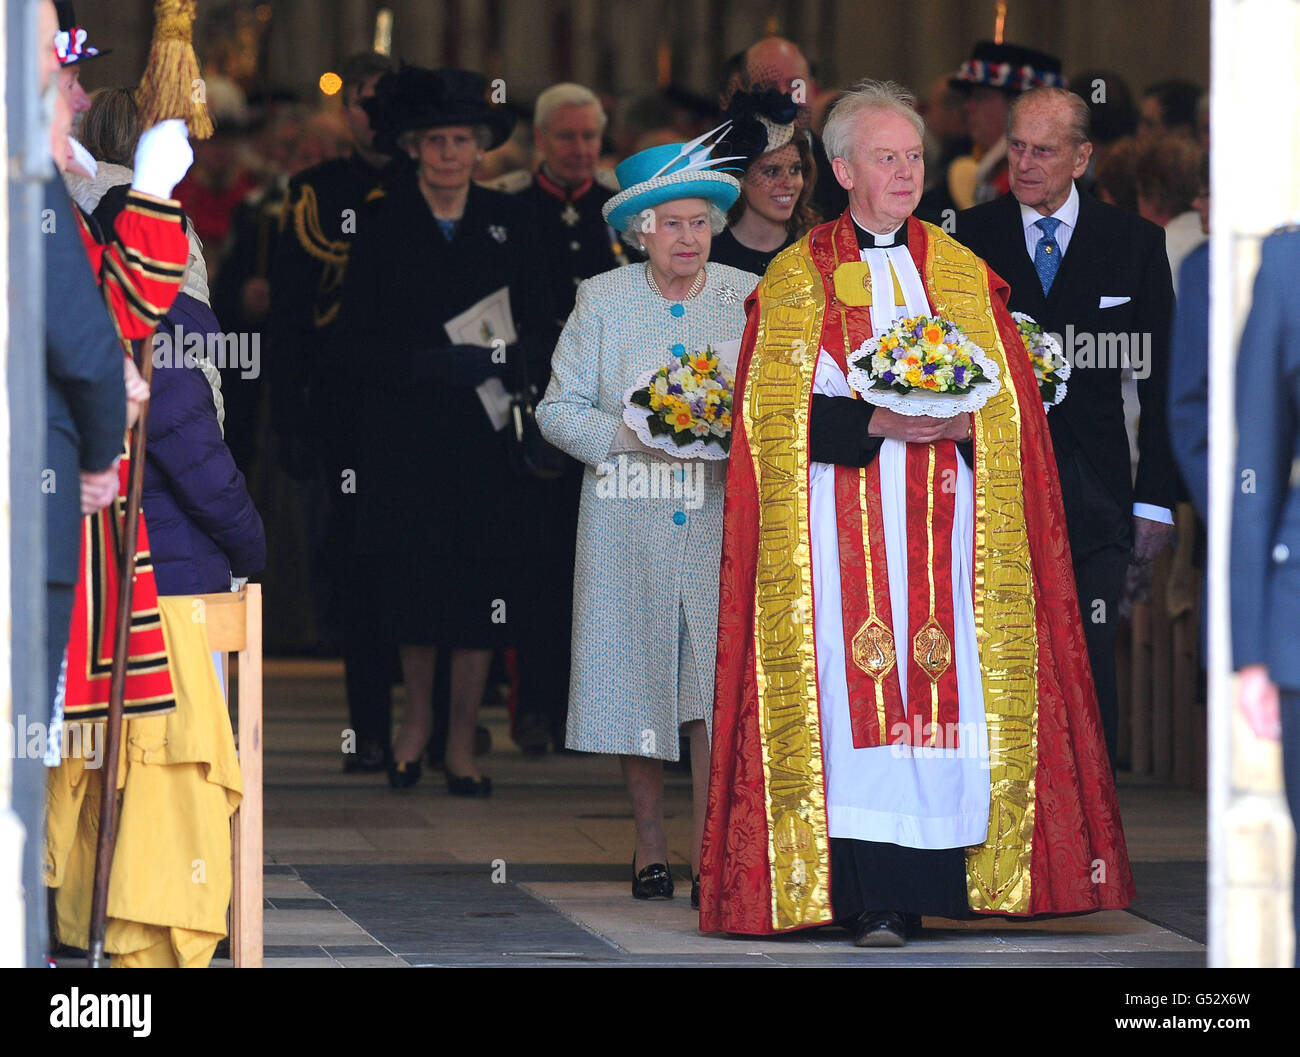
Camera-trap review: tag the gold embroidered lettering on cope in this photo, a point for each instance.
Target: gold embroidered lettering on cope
(776, 408)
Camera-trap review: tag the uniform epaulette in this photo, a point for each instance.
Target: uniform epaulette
(306, 225)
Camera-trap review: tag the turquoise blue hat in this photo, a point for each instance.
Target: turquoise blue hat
(667, 173)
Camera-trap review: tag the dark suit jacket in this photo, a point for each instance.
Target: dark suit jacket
(1265, 583)
(1189, 376)
(1112, 253)
(85, 403)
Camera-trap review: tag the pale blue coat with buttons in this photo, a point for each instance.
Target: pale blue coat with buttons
(645, 598)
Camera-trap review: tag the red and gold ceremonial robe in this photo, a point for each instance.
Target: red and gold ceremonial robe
(1053, 842)
(139, 270)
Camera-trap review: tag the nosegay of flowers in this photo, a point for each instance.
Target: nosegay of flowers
(1051, 367)
(686, 400)
(923, 352)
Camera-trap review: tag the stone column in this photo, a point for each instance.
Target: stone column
(12, 832)
(1255, 186)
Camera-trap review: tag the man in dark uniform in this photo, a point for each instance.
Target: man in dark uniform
(1099, 277)
(567, 193)
(565, 197)
(313, 394)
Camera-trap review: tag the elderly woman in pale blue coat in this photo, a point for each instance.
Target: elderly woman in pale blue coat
(649, 531)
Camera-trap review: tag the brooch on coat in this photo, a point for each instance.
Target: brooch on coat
(497, 232)
(728, 294)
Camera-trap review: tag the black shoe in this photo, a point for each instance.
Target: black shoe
(462, 785)
(880, 928)
(653, 882)
(403, 775)
(371, 757)
(695, 892)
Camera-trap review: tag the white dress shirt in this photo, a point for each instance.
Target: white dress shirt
(1068, 215)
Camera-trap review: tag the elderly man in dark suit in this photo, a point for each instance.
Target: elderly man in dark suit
(1098, 277)
(1266, 513)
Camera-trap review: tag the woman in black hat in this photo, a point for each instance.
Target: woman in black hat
(437, 499)
(774, 208)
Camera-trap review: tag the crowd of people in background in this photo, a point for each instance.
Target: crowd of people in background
(270, 194)
(265, 258)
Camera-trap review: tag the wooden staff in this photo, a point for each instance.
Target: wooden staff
(107, 838)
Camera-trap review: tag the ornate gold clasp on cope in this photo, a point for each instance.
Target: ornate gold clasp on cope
(853, 285)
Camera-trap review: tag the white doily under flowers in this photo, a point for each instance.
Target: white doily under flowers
(638, 421)
(918, 402)
(1040, 343)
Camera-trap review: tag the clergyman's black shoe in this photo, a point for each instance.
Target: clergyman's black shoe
(880, 928)
(653, 882)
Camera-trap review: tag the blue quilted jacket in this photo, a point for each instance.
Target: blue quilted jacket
(203, 527)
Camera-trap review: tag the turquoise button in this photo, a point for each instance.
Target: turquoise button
(679, 518)
(679, 349)
(678, 310)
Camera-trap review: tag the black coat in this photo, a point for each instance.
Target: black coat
(433, 481)
(1112, 253)
(85, 403)
(1266, 503)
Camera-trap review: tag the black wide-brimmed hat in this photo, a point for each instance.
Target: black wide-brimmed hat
(1007, 67)
(70, 44)
(415, 98)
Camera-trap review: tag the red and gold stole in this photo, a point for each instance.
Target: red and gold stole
(875, 698)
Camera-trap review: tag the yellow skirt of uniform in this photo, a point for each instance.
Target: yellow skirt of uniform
(179, 781)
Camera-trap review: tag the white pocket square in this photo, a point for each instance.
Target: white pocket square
(1111, 302)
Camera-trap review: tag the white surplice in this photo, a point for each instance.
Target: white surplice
(916, 797)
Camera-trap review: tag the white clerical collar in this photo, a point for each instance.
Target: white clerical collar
(1068, 214)
(887, 239)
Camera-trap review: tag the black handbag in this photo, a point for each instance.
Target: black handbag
(531, 454)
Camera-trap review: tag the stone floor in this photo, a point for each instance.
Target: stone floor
(358, 874)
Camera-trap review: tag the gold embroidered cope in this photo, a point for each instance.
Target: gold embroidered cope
(788, 340)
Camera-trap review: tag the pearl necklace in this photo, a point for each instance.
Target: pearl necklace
(695, 286)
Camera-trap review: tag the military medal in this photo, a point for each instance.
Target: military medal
(570, 215)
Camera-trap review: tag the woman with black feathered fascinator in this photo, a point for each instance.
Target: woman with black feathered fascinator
(774, 208)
